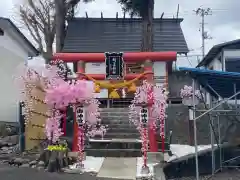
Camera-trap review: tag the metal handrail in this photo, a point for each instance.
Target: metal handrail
(219, 104)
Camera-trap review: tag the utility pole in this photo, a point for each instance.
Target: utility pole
(203, 12)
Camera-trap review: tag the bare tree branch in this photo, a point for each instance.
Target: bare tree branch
(38, 16)
(45, 20)
(30, 26)
(38, 12)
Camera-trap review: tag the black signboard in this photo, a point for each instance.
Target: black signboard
(144, 116)
(80, 116)
(114, 65)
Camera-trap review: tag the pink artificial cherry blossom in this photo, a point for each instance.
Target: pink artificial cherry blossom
(59, 94)
(187, 92)
(52, 127)
(144, 93)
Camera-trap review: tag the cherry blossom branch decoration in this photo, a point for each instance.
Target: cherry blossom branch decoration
(143, 94)
(155, 97)
(78, 92)
(27, 78)
(59, 94)
(187, 92)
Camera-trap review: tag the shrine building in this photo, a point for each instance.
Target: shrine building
(94, 44)
(107, 52)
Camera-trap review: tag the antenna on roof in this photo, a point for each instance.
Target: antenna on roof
(86, 14)
(102, 15)
(124, 14)
(116, 15)
(162, 15)
(177, 11)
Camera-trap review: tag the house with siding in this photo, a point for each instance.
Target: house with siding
(223, 57)
(15, 49)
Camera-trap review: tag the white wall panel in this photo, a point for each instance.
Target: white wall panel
(159, 68)
(95, 68)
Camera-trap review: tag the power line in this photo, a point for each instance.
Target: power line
(186, 13)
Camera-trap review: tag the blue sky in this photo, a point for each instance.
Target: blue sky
(223, 25)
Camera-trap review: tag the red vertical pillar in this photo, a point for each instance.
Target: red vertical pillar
(153, 145)
(80, 69)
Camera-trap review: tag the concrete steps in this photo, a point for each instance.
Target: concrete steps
(122, 135)
(114, 152)
(121, 138)
(117, 121)
(122, 130)
(116, 147)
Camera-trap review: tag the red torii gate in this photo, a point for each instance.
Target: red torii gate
(128, 57)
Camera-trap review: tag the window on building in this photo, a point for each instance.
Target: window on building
(232, 64)
(1, 32)
(220, 58)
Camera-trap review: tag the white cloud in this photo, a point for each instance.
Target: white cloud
(223, 25)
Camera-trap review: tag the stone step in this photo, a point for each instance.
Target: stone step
(114, 121)
(116, 116)
(113, 152)
(114, 143)
(130, 143)
(123, 126)
(114, 112)
(122, 129)
(117, 147)
(121, 135)
(114, 109)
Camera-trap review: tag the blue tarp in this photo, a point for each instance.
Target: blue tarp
(221, 83)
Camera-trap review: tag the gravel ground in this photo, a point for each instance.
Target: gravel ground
(12, 173)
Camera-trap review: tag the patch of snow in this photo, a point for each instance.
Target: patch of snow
(180, 150)
(139, 175)
(91, 164)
